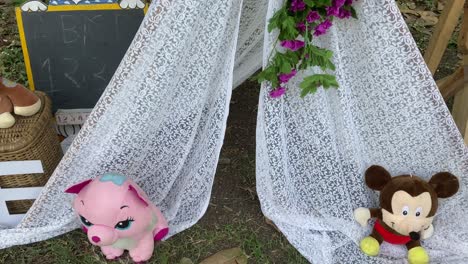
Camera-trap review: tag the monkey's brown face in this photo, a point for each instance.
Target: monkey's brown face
(410, 214)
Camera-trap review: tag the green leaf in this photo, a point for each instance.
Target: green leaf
(286, 61)
(285, 68)
(329, 81)
(289, 23)
(288, 28)
(329, 65)
(307, 88)
(311, 83)
(292, 57)
(309, 3)
(266, 75)
(272, 25)
(320, 57)
(302, 66)
(353, 12)
(323, 2)
(275, 20)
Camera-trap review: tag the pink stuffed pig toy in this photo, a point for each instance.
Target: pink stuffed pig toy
(117, 215)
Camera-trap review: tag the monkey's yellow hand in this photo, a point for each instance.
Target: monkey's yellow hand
(418, 255)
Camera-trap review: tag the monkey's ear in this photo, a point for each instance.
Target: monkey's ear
(445, 184)
(377, 177)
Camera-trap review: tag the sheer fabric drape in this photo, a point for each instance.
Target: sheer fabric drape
(312, 152)
(162, 118)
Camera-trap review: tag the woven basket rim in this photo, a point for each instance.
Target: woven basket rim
(30, 133)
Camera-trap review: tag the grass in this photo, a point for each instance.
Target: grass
(12, 63)
(195, 244)
(19, 2)
(11, 55)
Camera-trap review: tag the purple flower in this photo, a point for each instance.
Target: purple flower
(292, 44)
(333, 11)
(344, 13)
(301, 26)
(284, 77)
(297, 5)
(278, 92)
(322, 27)
(348, 2)
(312, 16)
(338, 3)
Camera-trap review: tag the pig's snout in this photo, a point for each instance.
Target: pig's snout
(102, 235)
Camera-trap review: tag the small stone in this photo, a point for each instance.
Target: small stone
(411, 5)
(224, 161)
(186, 261)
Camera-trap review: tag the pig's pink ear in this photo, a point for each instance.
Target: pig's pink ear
(77, 187)
(135, 192)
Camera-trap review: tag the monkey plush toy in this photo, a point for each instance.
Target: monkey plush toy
(408, 205)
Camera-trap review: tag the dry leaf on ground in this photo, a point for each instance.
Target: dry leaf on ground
(426, 18)
(228, 256)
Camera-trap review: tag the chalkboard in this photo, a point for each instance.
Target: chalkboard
(72, 52)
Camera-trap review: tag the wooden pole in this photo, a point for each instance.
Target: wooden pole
(460, 105)
(460, 110)
(466, 134)
(442, 33)
(452, 84)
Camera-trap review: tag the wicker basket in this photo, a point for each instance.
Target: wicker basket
(31, 138)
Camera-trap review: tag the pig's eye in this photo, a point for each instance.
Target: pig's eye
(124, 225)
(85, 221)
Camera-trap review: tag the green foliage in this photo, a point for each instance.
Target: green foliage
(319, 57)
(18, 2)
(268, 74)
(286, 21)
(12, 63)
(311, 83)
(352, 10)
(286, 61)
(323, 3)
(309, 3)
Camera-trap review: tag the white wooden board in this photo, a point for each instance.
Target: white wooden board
(13, 194)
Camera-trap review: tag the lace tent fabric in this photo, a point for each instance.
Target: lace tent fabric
(162, 119)
(312, 152)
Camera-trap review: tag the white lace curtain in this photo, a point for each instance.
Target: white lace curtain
(162, 120)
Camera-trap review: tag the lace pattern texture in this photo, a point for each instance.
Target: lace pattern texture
(162, 118)
(312, 152)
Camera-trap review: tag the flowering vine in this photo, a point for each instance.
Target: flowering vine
(298, 22)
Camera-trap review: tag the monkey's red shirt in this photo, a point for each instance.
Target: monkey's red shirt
(389, 236)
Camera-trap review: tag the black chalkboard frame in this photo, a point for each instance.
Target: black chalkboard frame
(55, 8)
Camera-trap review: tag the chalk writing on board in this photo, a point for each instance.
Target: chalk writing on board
(70, 74)
(88, 25)
(70, 34)
(46, 65)
(98, 75)
(73, 54)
